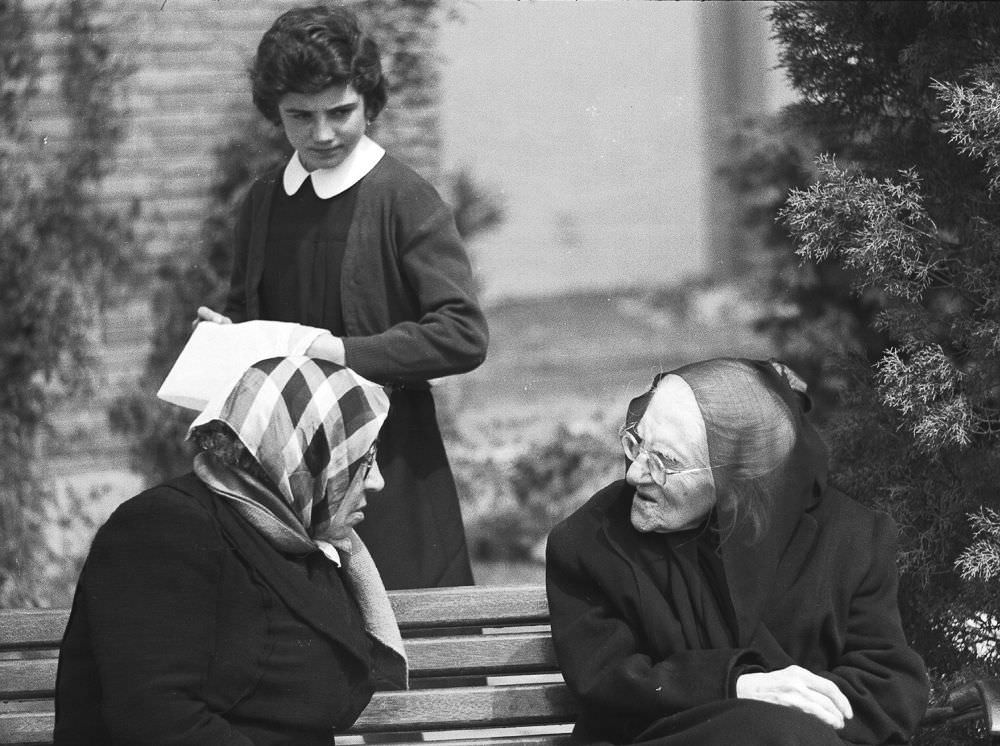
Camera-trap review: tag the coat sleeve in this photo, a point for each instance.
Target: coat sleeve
(602, 656)
(449, 334)
(151, 587)
(884, 679)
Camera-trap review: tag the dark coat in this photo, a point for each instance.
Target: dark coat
(188, 627)
(409, 314)
(406, 288)
(821, 594)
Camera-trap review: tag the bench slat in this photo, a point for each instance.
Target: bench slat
(481, 654)
(469, 606)
(462, 606)
(452, 655)
(541, 739)
(27, 727)
(463, 707)
(415, 710)
(22, 679)
(22, 629)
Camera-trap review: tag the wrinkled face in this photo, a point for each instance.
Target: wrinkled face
(350, 512)
(672, 427)
(323, 127)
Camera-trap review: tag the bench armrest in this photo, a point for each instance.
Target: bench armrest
(987, 696)
(974, 700)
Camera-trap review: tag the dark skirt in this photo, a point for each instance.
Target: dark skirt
(734, 721)
(413, 528)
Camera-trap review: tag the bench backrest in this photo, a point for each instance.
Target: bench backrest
(481, 659)
(483, 671)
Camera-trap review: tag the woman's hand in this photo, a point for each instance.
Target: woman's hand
(328, 347)
(207, 314)
(796, 687)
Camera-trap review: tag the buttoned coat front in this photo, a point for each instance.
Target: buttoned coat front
(406, 289)
(410, 314)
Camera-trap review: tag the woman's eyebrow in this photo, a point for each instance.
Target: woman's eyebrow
(668, 452)
(350, 106)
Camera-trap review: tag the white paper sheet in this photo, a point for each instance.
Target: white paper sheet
(216, 355)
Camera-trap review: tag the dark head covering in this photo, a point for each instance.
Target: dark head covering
(768, 461)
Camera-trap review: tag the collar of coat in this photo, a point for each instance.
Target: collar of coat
(292, 588)
(750, 564)
(329, 182)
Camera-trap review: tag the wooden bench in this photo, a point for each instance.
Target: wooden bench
(498, 636)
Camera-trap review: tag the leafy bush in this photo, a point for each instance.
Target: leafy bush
(510, 504)
(885, 267)
(61, 257)
(193, 276)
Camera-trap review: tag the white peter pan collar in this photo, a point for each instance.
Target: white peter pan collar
(329, 182)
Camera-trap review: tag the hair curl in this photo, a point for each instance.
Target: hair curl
(218, 438)
(308, 50)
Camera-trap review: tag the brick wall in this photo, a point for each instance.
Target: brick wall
(189, 59)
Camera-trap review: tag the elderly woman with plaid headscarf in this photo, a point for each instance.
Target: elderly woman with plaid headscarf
(236, 604)
(724, 592)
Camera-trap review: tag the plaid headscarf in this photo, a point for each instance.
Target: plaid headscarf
(309, 423)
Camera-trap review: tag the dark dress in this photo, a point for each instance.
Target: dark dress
(189, 628)
(399, 294)
(686, 567)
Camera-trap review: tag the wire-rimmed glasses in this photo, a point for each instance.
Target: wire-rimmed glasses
(659, 467)
(368, 460)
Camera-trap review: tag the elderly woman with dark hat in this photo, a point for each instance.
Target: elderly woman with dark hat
(725, 592)
(236, 604)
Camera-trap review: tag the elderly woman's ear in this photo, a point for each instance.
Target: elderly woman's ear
(795, 382)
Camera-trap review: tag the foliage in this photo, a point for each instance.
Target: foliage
(57, 247)
(883, 265)
(477, 210)
(864, 71)
(193, 276)
(511, 504)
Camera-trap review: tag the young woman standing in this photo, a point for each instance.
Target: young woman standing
(347, 238)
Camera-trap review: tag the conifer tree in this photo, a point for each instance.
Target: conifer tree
(885, 261)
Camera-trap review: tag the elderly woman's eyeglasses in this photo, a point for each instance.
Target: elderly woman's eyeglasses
(659, 467)
(368, 460)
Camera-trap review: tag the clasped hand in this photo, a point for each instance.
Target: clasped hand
(796, 687)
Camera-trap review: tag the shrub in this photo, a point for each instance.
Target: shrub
(893, 283)
(61, 256)
(511, 504)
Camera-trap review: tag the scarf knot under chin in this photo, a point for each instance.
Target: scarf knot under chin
(254, 502)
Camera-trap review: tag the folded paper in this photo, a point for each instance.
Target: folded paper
(216, 355)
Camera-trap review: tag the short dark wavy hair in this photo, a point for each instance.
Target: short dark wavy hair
(309, 49)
